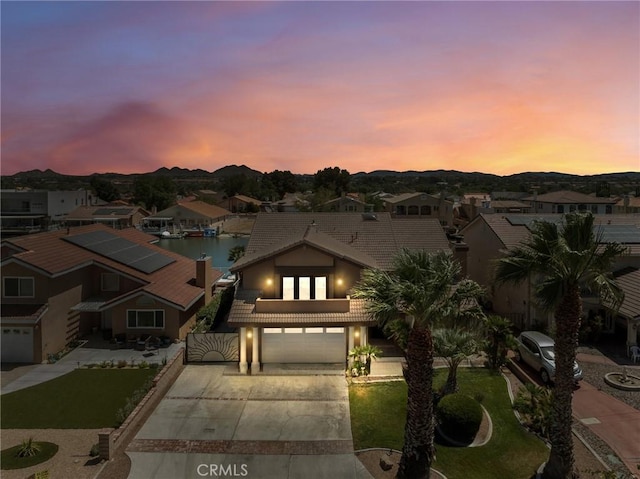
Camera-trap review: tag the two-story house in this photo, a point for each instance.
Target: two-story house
(421, 205)
(293, 302)
(568, 202)
(59, 285)
(489, 236)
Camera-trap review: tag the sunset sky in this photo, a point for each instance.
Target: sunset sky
(497, 87)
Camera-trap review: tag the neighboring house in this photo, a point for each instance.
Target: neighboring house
(242, 204)
(569, 201)
(290, 203)
(25, 211)
(420, 205)
(509, 206)
(488, 236)
(210, 196)
(292, 304)
(347, 204)
(628, 205)
(115, 216)
(59, 285)
(188, 215)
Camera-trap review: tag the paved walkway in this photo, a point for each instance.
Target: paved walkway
(269, 425)
(81, 356)
(615, 422)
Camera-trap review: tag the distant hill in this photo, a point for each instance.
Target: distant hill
(233, 170)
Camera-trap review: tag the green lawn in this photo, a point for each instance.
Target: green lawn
(378, 413)
(82, 399)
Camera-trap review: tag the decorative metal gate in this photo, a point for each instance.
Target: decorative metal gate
(212, 347)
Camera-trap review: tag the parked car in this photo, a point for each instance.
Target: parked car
(537, 350)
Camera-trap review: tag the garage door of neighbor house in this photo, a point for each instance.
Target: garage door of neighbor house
(303, 345)
(17, 345)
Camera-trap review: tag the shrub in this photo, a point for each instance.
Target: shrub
(95, 450)
(122, 364)
(28, 448)
(459, 417)
(534, 403)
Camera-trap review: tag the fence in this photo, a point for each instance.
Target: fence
(212, 347)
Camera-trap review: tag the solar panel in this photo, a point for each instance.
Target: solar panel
(619, 233)
(121, 250)
(610, 233)
(528, 220)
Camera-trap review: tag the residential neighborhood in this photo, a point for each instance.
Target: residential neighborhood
(102, 286)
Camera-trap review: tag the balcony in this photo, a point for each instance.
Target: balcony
(334, 305)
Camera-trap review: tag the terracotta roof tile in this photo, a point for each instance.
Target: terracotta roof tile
(374, 236)
(569, 197)
(52, 255)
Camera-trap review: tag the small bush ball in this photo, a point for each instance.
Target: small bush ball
(459, 417)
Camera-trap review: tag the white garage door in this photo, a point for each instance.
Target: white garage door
(303, 345)
(17, 345)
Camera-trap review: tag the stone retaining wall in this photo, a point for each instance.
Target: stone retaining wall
(112, 440)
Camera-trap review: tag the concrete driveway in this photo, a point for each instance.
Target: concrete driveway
(215, 425)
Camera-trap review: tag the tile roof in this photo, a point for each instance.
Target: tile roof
(569, 197)
(51, 254)
(357, 236)
(629, 280)
(93, 212)
(509, 204)
(511, 229)
(310, 237)
(248, 199)
(201, 208)
(242, 314)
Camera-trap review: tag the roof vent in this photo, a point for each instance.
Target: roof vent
(369, 217)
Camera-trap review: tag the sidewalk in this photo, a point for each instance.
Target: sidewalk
(82, 356)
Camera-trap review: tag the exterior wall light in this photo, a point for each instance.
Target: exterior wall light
(339, 281)
(269, 281)
(249, 334)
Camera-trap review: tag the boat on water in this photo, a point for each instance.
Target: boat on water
(168, 235)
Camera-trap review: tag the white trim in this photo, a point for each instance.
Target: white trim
(334, 330)
(154, 311)
(19, 278)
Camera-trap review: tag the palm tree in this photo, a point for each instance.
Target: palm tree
(566, 258)
(454, 345)
(499, 339)
(235, 253)
(417, 290)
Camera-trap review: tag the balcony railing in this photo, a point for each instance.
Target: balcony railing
(334, 305)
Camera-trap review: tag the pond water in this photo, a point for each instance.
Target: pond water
(218, 248)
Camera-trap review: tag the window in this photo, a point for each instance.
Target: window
(304, 283)
(321, 287)
(608, 210)
(304, 287)
(425, 210)
(145, 318)
(594, 209)
(560, 208)
(18, 287)
(109, 282)
(413, 210)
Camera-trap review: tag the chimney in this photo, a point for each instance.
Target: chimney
(460, 252)
(204, 276)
